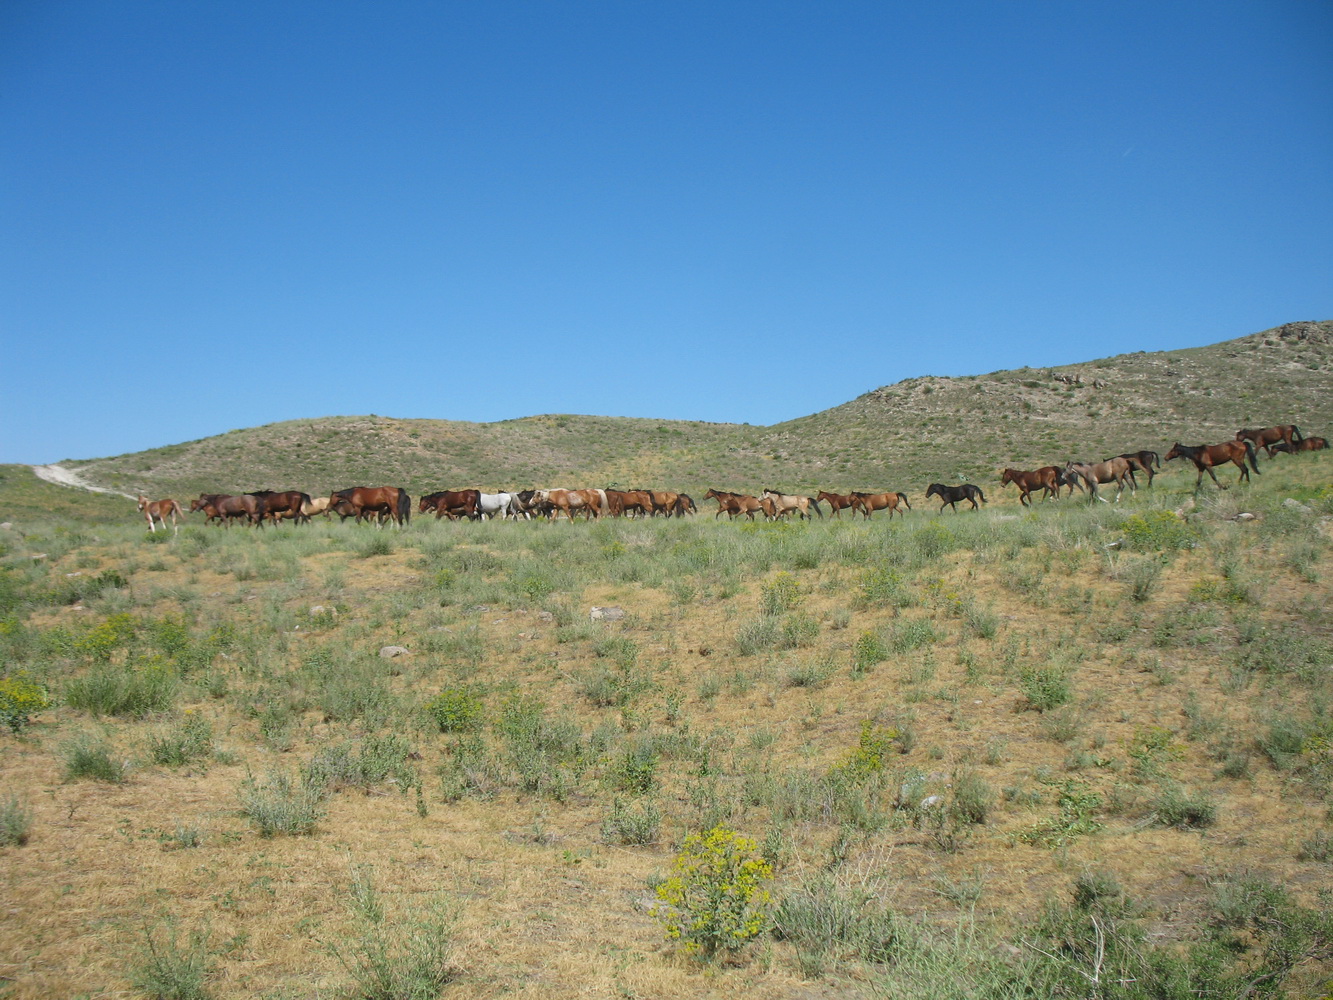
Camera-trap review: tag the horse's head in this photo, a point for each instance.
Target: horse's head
(712, 494)
(143, 502)
(1177, 451)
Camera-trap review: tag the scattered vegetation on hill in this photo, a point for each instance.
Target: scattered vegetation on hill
(1082, 750)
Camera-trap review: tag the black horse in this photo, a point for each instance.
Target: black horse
(950, 495)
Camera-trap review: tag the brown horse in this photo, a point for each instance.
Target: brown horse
(161, 510)
(287, 504)
(592, 503)
(228, 508)
(1205, 456)
(1113, 470)
(1046, 478)
(838, 502)
(868, 503)
(452, 504)
(734, 503)
(390, 500)
(1305, 444)
(1266, 437)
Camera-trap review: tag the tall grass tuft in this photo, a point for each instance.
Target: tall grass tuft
(172, 967)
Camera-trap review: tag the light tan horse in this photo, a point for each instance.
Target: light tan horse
(868, 503)
(161, 510)
(786, 504)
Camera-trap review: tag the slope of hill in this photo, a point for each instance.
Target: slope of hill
(901, 436)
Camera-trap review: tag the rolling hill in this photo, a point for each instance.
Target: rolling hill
(901, 436)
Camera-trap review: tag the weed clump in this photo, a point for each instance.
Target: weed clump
(717, 898)
(20, 698)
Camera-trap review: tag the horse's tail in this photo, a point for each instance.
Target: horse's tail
(404, 506)
(1296, 433)
(1253, 456)
(980, 494)
(903, 498)
(815, 504)
(1156, 460)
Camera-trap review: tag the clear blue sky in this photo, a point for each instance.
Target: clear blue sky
(217, 215)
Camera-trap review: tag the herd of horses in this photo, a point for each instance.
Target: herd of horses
(392, 504)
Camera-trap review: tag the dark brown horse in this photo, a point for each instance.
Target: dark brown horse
(1266, 437)
(1305, 444)
(1046, 478)
(868, 503)
(1142, 461)
(950, 495)
(288, 504)
(1206, 456)
(452, 504)
(391, 500)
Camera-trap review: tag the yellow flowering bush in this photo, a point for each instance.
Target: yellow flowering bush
(716, 897)
(20, 696)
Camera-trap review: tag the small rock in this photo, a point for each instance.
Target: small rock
(8, 526)
(1246, 516)
(389, 652)
(930, 802)
(1290, 503)
(38, 555)
(606, 614)
(319, 609)
(545, 616)
(77, 572)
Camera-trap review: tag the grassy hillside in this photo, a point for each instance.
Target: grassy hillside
(902, 436)
(1082, 750)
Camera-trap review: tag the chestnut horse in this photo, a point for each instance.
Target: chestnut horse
(451, 504)
(1046, 478)
(288, 504)
(390, 500)
(226, 508)
(161, 510)
(734, 503)
(1205, 456)
(837, 501)
(1142, 461)
(1266, 437)
(868, 503)
(1304, 444)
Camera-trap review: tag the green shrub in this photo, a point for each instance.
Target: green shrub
(635, 825)
(103, 639)
(905, 636)
(87, 755)
(716, 898)
(128, 690)
(20, 697)
(1180, 808)
(281, 806)
(882, 587)
(1156, 530)
(868, 651)
(191, 740)
(826, 921)
(1045, 687)
(635, 770)
(758, 636)
(781, 594)
(457, 710)
(396, 955)
(15, 822)
(170, 967)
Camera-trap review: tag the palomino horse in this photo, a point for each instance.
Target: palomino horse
(838, 502)
(1113, 470)
(1046, 478)
(950, 495)
(161, 510)
(734, 503)
(1206, 456)
(785, 504)
(868, 503)
(1142, 461)
(1266, 437)
(391, 500)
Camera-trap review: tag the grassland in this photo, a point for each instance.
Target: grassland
(899, 437)
(1081, 750)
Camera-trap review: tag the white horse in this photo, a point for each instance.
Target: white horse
(492, 504)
